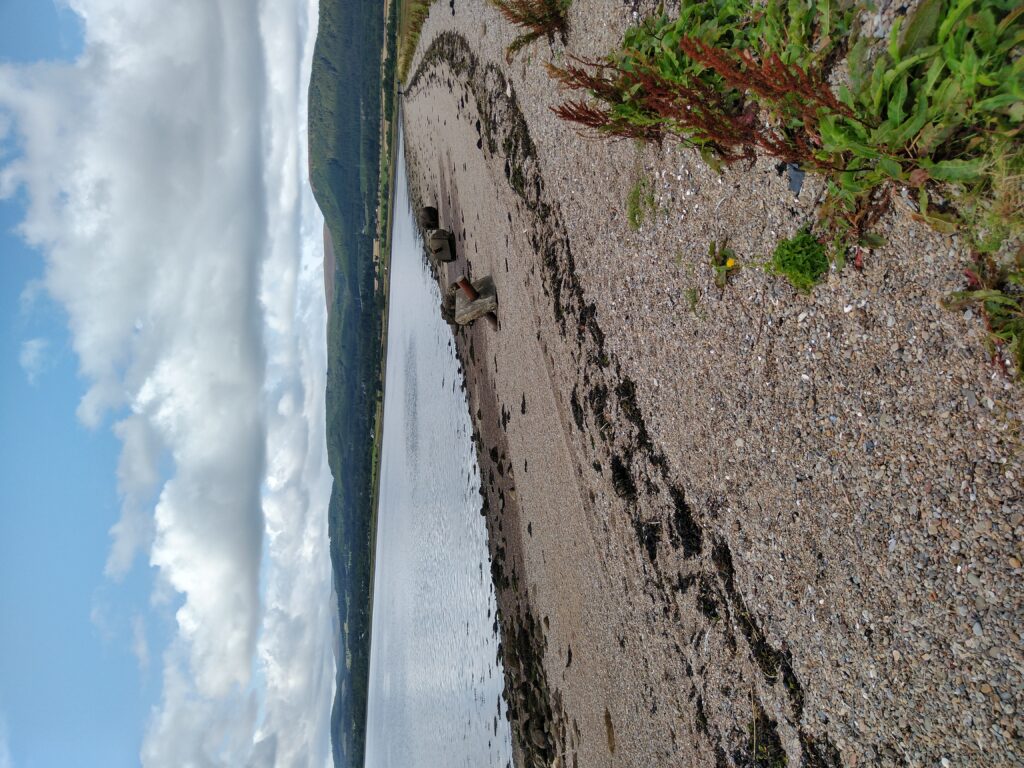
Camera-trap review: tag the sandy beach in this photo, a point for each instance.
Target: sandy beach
(730, 527)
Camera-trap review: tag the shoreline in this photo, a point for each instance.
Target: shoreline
(389, 149)
(744, 516)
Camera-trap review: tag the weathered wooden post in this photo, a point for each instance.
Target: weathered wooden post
(475, 300)
(441, 244)
(428, 217)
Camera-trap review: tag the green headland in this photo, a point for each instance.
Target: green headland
(350, 134)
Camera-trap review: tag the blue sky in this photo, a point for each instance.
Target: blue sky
(57, 665)
(164, 577)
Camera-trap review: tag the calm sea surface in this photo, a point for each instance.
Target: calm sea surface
(435, 686)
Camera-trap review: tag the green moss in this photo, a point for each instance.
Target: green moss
(640, 203)
(801, 259)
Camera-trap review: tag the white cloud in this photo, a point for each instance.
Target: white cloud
(165, 173)
(33, 358)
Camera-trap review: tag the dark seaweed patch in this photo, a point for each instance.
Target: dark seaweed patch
(818, 754)
(626, 391)
(577, 409)
(700, 716)
(706, 601)
(598, 398)
(648, 533)
(683, 583)
(772, 661)
(685, 531)
(764, 747)
(622, 480)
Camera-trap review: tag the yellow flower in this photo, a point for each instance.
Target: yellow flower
(730, 263)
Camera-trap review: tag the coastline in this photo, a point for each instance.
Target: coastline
(390, 146)
(764, 521)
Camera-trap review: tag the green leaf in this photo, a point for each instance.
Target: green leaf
(940, 222)
(894, 39)
(855, 62)
(959, 9)
(840, 137)
(872, 240)
(825, 13)
(878, 84)
(1009, 19)
(947, 98)
(998, 102)
(969, 69)
(984, 24)
(922, 26)
(982, 294)
(934, 70)
(890, 167)
(845, 97)
(906, 64)
(895, 108)
(908, 130)
(955, 170)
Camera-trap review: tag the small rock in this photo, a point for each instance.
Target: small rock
(977, 628)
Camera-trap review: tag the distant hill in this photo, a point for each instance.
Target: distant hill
(344, 145)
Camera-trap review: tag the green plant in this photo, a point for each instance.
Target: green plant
(942, 103)
(997, 290)
(412, 24)
(723, 262)
(692, 296)
(801, 259)
(940, 108)
(686, 77)
(541, 18)
(640, 203)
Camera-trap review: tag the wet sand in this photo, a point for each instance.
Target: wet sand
(749, 528)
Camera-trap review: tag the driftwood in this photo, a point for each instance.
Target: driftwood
(475, 299)
(441, 244)
(428, 217)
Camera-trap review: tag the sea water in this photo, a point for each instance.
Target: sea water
(435, 681)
